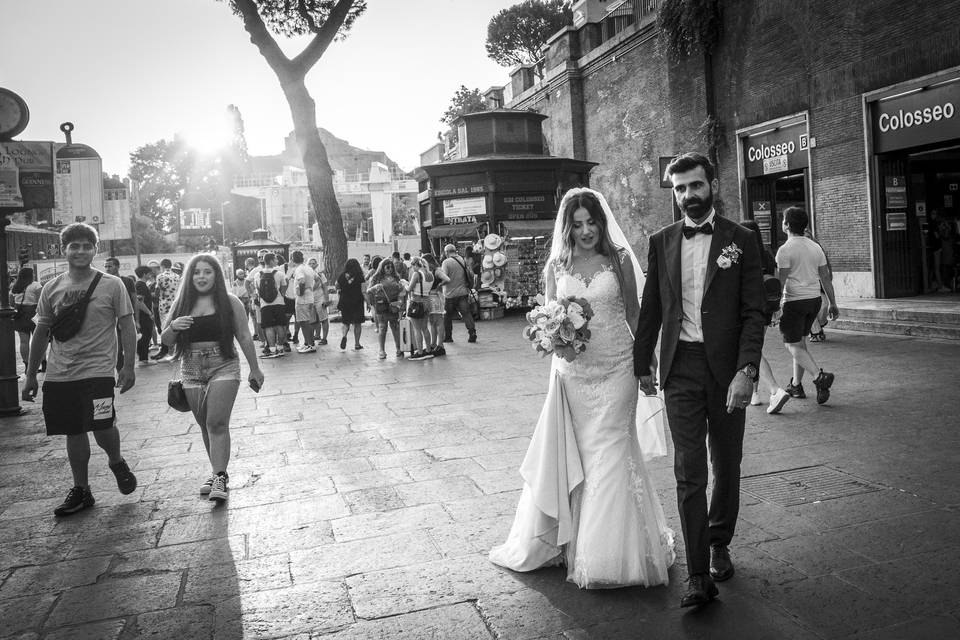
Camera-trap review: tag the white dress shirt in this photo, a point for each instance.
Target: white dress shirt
(693, 273)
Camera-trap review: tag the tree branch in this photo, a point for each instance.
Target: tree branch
(324, 36)
(261, 38)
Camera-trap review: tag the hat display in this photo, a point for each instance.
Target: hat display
(499, 259)
(488, 261)
(492, 242)
(498, 273)
(487, 277)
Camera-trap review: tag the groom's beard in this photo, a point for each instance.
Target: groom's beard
(696, 208)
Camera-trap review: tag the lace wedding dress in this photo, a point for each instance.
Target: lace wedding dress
(588, 501)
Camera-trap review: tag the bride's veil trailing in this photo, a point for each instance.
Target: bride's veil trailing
(651, 415)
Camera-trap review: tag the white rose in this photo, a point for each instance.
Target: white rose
(724, 262)
(577, 320)
(546, 343)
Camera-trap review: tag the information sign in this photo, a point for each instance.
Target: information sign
(26, 176)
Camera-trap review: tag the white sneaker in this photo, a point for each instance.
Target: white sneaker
(218, 490)
(306, 349)
(777, 400)
(755, 399)
(207, 485)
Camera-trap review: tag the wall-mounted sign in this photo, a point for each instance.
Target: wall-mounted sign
(115, 224)
(895, 189)
(195, 221)
(26, 176)
(896, 221)
(782, 149)
(930, 114)
(78, 184)
(459, 191)
(456, 208)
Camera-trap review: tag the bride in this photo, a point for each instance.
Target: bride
(588, 501)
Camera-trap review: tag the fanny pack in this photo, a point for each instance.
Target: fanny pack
(69, 319)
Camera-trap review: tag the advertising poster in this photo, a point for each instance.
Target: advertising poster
(195, 222)
(26, 175)
(78, 183)
(116, 215)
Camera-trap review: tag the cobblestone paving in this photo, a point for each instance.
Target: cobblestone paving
(365, 495)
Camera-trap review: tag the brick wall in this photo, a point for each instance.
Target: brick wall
(776, 58)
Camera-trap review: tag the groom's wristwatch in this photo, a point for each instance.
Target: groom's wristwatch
(750, 371)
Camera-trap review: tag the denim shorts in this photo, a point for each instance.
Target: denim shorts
(202, 362)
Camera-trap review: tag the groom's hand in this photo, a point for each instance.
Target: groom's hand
(648, 385)
(739, 392)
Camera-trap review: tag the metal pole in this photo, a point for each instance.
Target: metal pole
(9, 393)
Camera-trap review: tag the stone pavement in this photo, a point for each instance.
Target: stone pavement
(365, 495)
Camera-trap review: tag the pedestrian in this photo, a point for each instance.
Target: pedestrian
(401, 268)
(166, 291)
(456, 292)
(948, 261)
(385, 295)
(935, 249)
(157, 323)
(78, 391)
(269, 284)
(321, 302)
(289, 304)
(803, 271)
(239, 288)
(24, 295)
(418, 308)
(112, 266)
(711, 316)
(350, 302)
(407, 261)
(249, 265)
(436, 306)
(304, 281)
(206, 321)
(143, 307)
(771, 315)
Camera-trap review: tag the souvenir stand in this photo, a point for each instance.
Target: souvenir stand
(249, 248)
(497, 192)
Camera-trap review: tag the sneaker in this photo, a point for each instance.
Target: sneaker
(357, 347)
(307, 349)
(279, 353)
(755, 399)
(777, 400)
(77, 499)
(400, 354)
(823, 382)
(343, 342)
(126, 481)
(267, 353)
(382, 355)
(218, 490)
(417, 355)
(296, 341)
(207, 485)
(321, 341)
(795, 390)
(472, 338)
(816, 337)
(286, 347)
(439, 351)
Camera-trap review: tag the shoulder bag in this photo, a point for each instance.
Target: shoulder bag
(417, 309)
(69, 319)
(176, 397)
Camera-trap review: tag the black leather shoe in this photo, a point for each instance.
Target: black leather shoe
(700, 590)
(721, 568)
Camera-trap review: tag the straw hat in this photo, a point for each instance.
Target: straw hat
(488, 261)
(486, 276)
(499, 259)
(492, 242)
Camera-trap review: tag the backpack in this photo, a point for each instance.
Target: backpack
(267, 287)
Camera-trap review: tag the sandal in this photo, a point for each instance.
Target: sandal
(358, 347)
(343, 342)
(383, 355)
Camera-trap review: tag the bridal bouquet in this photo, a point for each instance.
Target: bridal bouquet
(560, 327)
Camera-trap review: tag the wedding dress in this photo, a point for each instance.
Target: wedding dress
(588, 501)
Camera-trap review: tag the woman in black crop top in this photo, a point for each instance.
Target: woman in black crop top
(206, 321)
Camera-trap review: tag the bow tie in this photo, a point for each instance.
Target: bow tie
(706, 228)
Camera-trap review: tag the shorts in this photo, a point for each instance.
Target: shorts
(73, 407)
(306, 313)
(436, 304)
(322, 313)
(202, 363)
(797, 318)
(274, 315)
(290, 306)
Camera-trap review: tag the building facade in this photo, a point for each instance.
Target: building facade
(849, 109)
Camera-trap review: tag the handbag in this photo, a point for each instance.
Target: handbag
(69, 319)
(417, 309)
(177, 397)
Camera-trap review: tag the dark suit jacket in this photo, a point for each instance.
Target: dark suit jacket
(732, 307)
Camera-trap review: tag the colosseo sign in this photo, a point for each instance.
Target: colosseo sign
(777, 150)
(924, 116)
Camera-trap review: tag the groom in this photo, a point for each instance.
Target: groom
(704, 289)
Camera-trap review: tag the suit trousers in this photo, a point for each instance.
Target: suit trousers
(697, 412)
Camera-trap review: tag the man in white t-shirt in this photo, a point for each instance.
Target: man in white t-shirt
(303, 280)
(272, 312)
(803, 271)
(321, 302)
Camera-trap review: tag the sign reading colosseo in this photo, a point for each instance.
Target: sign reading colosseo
(777, 150)
(928, 115)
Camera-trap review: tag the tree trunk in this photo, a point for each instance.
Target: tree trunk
(319, 176)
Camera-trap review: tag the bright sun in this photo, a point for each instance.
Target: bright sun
(208, 133)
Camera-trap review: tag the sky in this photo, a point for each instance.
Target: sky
(130, 72)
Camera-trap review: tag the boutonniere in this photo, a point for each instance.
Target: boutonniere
(729, 256)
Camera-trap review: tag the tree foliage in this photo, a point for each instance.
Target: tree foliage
(689, 26)
(516, 34)
(463, 101)
(164, 169)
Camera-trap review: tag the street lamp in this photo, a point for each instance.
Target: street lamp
(223, 223)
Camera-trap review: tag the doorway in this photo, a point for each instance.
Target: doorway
(768, 197)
